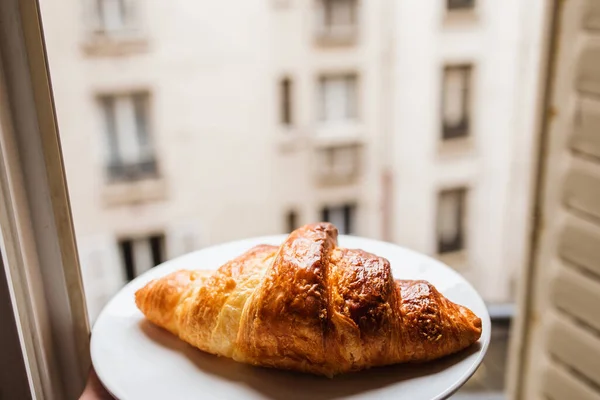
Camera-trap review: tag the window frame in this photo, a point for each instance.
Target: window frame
(38, 242)
(328, 14)
(465, 127)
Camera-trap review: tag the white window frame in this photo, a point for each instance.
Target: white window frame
(37, 237)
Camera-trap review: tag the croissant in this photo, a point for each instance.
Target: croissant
(309, 306)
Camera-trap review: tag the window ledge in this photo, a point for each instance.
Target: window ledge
(460, 146)
(128, 193)
(334, 179)
(461, 16)
(343, 37)
(458, 260)
(319, 142)
(107, 45)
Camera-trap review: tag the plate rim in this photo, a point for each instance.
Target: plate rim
(484, 340)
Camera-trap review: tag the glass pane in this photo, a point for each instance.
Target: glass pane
(292, 221)
(339, 98)
(127, 259)
(111, 145)
(336, 217)
(127, 132)
(286, 101)
(448, 217)
(140, 103)
(112, 14)
(142, 254)
(341, 12)
(454, 87)
(352, 97)
(450, 222)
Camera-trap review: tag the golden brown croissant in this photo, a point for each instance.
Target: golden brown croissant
(309, 306)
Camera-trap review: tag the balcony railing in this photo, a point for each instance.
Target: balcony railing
(460, 4)
(121, 172)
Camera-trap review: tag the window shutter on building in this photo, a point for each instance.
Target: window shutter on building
(184, 237)
(101, 270)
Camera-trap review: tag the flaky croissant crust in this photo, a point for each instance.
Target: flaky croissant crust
(309, 306)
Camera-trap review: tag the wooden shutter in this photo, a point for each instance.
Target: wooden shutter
(556, 351)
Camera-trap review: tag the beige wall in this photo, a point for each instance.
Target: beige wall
(297, 54)
(494, 163)
(229, 170)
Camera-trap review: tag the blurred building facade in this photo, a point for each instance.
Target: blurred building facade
(186, 124)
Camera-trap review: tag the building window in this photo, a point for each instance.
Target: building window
(456, 101)
(342, 216)
(285, 89)
(338, 163)
(140, 254)
(460, 4)
(111, 15)
(337, 17)
(338, 98)
(130, 152)
(451, 220)
(291, 221)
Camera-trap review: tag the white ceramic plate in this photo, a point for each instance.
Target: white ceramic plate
(137, 360)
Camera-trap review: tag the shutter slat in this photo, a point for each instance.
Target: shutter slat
(588, 76)
(580, 244)
(582, 191)
(587, 120)
(575, 346)
(591, 18)
(578, 295)
(558, 384)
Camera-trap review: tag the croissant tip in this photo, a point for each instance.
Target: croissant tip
(474, 322)
(138, 296)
